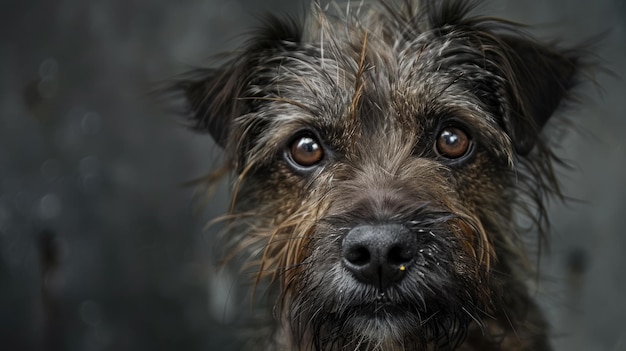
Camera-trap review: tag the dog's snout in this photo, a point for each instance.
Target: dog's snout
(378, 254)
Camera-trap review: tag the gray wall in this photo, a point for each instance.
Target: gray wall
(90, 172)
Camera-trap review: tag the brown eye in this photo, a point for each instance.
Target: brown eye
(452, 143)
(306, 151)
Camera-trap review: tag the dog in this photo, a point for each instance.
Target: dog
(383, 155)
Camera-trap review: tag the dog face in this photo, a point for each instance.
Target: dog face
(378, 162)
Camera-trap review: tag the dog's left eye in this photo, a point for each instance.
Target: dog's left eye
(452, 143)
(306, 151)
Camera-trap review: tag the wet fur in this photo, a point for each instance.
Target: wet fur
(374, 83)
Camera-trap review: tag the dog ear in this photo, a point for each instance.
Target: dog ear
(217, 96)
(213, 99)
(539, 78)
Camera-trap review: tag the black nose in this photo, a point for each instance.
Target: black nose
(378, 254)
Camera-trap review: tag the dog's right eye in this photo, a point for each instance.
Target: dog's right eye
(453, 143)
(306, 151)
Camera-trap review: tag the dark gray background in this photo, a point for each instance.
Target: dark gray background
(86, 160)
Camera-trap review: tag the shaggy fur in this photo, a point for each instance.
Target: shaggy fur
(374, 86)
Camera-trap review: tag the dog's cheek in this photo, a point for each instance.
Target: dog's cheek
(277, 184)
(481, 184)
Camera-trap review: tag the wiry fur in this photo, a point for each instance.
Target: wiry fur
(374, 83)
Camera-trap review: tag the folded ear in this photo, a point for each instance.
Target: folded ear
(217, 96)
(539, 77)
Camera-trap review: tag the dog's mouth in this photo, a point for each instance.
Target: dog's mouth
(382, 305)
(384, 301)
(381, 302)
(428, 318)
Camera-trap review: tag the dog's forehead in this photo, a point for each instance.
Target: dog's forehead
(379, 86)
(371, 79)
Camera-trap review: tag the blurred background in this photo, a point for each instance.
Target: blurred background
(100, 248)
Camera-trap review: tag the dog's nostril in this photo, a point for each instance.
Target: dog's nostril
(398, 255)
(358, 255)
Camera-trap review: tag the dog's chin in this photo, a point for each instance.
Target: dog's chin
(387, 315)
(384, 327)
(385, 322)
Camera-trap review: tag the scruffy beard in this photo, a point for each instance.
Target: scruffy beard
(431, 308)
